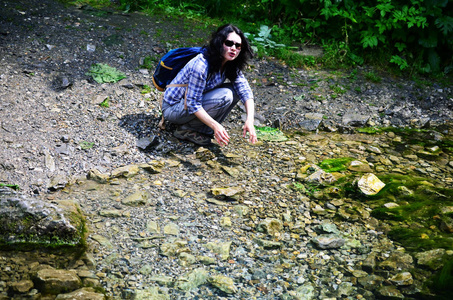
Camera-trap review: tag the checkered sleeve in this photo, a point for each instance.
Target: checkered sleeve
(242, 88)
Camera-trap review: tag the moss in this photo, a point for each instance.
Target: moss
(415, 223)
(443, 281)
(335, 164)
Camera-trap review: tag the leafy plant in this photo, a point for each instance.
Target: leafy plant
(270, 134)
(105, 103)
(103, 73)
(84, 145)
(264, 38)
(11, 186)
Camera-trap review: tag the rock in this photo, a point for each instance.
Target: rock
(320, 177)
(232, 192)
(81, 294)
(223, 283)
(173, 249)
(433, 259)
(270, 226)
(152, 227)
(103, 241)
(153, 167)
(369, 184)
(127, 171)
(150, 293)
(96, 175)
(147, 143)
(305, 292)
(266, 244)
(355, 120)
(136, 199)
(358, 166)
(162, 280)
(220, 248)
(23, 286)
(54, 282)
(389, 292)
(171, 229)
(111, 213)
(328, 227)
(310, 125)
(404, 278)
(371, 282)
(328, 241)
(186, 259)
(193, 279)
(39, 222)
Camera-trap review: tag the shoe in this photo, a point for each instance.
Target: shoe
(193, 136)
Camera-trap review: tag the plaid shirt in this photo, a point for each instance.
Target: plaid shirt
(195, 74)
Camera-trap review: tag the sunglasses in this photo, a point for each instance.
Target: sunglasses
(229, 43)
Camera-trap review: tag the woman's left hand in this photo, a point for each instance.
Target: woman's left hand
(248, 127)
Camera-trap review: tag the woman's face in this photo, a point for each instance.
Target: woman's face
(231, 47)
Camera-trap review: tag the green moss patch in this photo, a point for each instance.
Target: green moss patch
(336, 164)
(417, 221)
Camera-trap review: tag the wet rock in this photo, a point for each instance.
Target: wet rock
(328, 241)
(270, 226)
(389, 292)
(320, 177)
(54, 282)
(23, 286)
(404, 278)
(370, 184)
(358, 166)
(147, 143)
(223, 283)
(220, 248)
(127, 171)
(192, 279)
(38, 221)
(82, 294)
(355, 120)
(136, 199)
(266, 244)
(371, 282)
(151, 293)
(171, 229)
(174, 248)
(96, 175)
(232, 192)
(433, 259)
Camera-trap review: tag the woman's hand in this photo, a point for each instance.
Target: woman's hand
(248, 127)
(221, 135)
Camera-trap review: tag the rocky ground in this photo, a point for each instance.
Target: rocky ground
(165, 233)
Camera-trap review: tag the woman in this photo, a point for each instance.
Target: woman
(201, 107)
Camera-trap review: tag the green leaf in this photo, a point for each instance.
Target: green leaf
(103, 73)
(369, 41)
(401, 62)
(270, 134)
(445, 24)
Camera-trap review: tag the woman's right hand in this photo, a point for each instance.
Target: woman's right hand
(221, 135)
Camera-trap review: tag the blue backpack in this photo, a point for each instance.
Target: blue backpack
(171, 63)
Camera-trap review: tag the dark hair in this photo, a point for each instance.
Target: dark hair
(215, 52)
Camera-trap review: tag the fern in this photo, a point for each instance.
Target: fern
(445, 24)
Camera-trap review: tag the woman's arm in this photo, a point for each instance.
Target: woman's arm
(249, 122)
